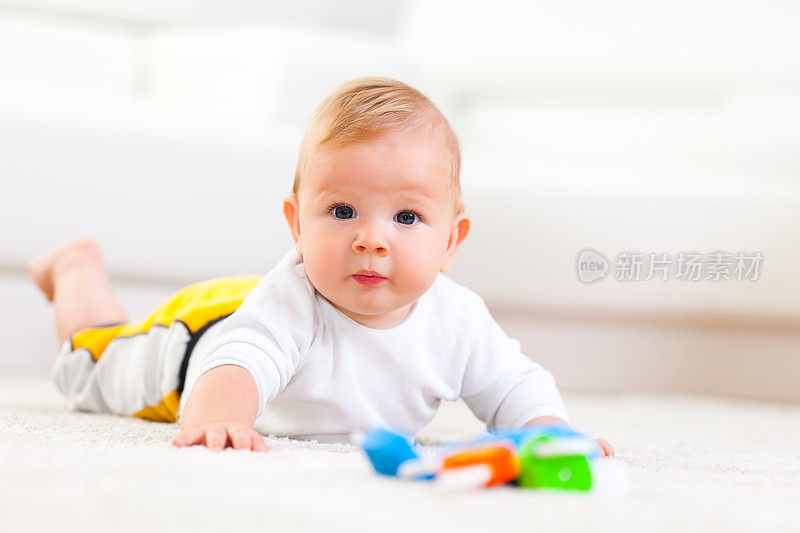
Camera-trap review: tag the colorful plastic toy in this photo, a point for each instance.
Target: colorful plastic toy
(539, 456)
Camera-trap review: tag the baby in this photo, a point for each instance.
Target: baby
(355, 327)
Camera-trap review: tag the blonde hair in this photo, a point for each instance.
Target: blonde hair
(365, 109)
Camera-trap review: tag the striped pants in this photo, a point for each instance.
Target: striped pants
(139, 368)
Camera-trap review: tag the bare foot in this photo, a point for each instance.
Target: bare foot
(40, 268)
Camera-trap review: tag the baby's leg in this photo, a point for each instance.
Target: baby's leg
(72, 276)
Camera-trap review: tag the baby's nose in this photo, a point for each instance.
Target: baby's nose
(370, 242)
(363, 248)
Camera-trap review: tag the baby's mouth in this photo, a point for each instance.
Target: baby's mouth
(368, 278)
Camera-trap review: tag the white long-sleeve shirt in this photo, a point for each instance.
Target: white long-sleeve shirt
(322, 375)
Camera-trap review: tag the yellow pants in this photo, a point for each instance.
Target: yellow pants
(138, 369)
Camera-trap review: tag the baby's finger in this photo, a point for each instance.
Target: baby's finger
(216, 438)
(608, 450)
(257, 443)
(188, 438)
(603, 451)
(240, 438)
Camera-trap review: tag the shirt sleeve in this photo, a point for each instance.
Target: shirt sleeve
(501, 385)
(268, 335)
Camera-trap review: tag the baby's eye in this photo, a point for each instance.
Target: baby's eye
(406, 217)
(343, 211)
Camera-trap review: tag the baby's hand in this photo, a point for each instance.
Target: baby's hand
(217, 436)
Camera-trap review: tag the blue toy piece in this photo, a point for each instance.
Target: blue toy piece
(567, 437)
(388, 449)
(518, 436)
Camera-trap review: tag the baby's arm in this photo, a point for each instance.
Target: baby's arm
(251, 358)
(221, 408)
(504, 388)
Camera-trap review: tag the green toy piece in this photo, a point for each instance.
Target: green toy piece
(547, 463)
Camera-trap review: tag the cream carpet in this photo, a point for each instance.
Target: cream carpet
(694, 463)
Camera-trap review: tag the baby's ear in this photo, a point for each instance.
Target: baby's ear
(291, 210)
(458, 233)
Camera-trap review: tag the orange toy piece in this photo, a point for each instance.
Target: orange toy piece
(499, 458)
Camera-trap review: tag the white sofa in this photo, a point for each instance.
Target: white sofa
(174, 144)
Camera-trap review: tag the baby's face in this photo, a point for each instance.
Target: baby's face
(382, 206)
